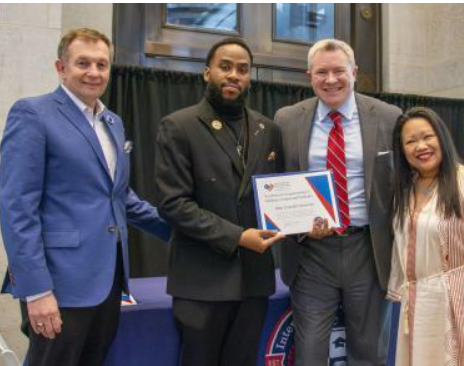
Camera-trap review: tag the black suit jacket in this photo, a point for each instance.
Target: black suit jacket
(208, 199)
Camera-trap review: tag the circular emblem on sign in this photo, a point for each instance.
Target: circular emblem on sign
(217, 125)
(280, 348)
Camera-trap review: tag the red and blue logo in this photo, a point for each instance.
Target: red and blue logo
(280, 347)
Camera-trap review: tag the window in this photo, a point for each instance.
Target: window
(218, 17)
(306, 23)
(178, 36)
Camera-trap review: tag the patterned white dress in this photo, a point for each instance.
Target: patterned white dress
(427, 275)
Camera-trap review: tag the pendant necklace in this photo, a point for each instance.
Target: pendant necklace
(238, 144)
(426, 191)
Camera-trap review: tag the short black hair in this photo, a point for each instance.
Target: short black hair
(230, 40)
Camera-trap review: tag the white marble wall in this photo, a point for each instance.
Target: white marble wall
(423, 49)
(29, 35)
(445, 50)
(96, 16)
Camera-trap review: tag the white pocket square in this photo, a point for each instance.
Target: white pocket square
(381, 153)
(128, 146)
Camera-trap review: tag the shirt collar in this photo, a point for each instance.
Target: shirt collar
(84, 108)
(347, 109)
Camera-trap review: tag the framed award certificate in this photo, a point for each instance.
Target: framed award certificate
(292, 202)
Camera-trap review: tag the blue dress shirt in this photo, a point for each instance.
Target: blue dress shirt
(317, 155)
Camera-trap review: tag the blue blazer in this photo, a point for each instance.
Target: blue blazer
(60, 212)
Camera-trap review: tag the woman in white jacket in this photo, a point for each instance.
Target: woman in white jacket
(427, 274)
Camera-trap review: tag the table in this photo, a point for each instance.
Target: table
(147, 335)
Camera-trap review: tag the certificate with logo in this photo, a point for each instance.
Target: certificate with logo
(293, 202)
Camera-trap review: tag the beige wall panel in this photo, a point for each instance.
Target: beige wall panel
(97, 16)
(427, 37)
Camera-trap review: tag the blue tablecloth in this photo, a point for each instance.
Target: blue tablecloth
(147, 335)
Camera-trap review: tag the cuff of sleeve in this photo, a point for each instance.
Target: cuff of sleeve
(31, 283)
(235, 239)
(38, 296)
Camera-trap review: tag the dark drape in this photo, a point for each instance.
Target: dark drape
(143, 96)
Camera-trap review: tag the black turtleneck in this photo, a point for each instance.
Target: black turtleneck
(231, 113)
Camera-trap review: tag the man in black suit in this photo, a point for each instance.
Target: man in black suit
(221, 269)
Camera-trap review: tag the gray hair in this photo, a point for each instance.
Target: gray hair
(331, 45)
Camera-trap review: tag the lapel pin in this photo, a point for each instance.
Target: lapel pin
(217, 125)
(108, 119)
(128, 146)
(271, 156)
(261, 128)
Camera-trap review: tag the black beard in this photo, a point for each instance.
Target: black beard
(214, 95)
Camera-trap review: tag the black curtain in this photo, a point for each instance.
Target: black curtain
(142, 96)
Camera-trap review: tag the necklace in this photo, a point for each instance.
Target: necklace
(239, 144)
(237, 141)
(426, 191)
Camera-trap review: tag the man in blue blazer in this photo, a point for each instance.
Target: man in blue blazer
(64, 203)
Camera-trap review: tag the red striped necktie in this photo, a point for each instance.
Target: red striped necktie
(337, 162)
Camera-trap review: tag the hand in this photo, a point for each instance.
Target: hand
(45, 316)
(259, 240)
(321, 230)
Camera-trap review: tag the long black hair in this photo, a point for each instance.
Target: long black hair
(448, 188)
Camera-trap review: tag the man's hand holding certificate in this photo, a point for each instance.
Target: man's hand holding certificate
(259, 240)
(295, 202)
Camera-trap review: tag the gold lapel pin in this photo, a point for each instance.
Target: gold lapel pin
(271, 156)
(261, 126)
(217, 125)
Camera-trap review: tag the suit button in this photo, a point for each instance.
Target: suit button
(112, 229)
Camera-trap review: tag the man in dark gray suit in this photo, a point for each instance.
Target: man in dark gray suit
(351, 134)
(221, 271)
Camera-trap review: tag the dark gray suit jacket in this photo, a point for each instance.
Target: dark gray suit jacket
(377, 121)
(205, 195)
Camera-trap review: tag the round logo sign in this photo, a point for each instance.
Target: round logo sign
(280, 349)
